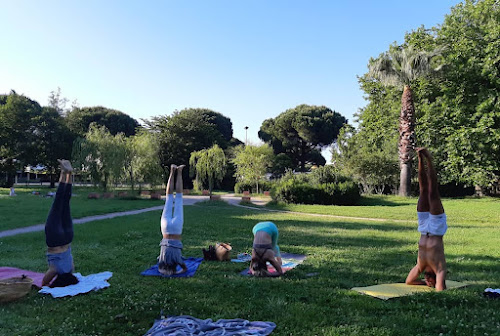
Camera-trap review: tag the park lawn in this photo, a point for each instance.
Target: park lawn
(458, 210)
(26, 209)
(344, 252)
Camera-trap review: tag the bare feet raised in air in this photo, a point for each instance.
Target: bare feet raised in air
(180, 167)
(65, 165)
(424, 152)
(173, 167)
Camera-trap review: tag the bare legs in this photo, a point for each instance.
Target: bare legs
(429, 199)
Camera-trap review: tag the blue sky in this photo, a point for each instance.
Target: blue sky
(249, 60)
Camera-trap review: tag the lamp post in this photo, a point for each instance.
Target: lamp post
(246, 130)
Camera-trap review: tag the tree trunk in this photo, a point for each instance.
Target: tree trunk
(52, 180)
(407, 141)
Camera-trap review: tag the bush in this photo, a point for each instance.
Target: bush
(240, 187)
(342, 193)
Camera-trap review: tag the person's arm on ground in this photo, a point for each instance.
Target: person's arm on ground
(49, 275)
(184, 269)
(413, 277)
(441, 280)
(277, 265)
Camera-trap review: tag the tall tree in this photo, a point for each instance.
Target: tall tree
(182, 133)
(210, 165)
(143, 163)
(252, 163)
(57, 101)
(17, 125)
(101, 154)
(302, 132)
(401, 67)
(52, 141)
(79, 120)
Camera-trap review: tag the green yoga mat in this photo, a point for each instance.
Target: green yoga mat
(394, 290)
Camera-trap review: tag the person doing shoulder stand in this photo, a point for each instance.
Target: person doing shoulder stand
(265, 248)
(171, 226)
(59, 233)
(432, 226)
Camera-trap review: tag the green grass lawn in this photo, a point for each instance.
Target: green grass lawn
(345, 253)
(26, 209)
(458, 210)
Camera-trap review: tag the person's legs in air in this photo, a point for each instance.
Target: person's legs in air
(171, 227)
(59, 233)
(66, 213)
(54, 226)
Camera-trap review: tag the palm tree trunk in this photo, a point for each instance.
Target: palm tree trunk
(407, 139)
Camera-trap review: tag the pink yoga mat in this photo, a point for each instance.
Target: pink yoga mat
(10, 272)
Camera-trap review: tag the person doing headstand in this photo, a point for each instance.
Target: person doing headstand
(265, 248)
(59, 233)
(171, 226)
(432, 226)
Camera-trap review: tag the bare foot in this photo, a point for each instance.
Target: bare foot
(180, 167)
(65, 165)
(173, 167)
(424, 152)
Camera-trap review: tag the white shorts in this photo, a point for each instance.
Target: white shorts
(432, 224)
(172, 223)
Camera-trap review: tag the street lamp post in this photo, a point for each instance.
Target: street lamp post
(246, 138)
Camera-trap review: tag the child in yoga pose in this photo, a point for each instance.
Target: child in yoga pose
(171, 226)
(432, 227)
(59, 233)
(265, 248)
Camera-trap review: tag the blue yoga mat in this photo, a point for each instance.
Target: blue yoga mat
(191, 264)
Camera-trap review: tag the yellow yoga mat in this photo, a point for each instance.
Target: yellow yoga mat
(393, 290)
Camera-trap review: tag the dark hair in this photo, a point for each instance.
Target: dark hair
(259, 268)
(167, 269)
(430, 275)
(63, 280)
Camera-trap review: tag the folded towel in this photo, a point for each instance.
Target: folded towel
(10, 272)
(288, 260)
(92, 282)
(188, 325)
(191, 264)
(393, 290)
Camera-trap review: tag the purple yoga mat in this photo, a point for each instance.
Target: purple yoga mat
(10, 272)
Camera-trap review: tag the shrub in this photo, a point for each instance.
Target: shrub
(340, 193)
(240, 187)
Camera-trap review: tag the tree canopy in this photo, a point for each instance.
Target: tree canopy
(79, 120)
(302, 132)
(458, 109)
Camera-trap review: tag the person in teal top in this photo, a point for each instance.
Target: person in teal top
(265, 248)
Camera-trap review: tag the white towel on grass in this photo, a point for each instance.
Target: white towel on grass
(92, 282)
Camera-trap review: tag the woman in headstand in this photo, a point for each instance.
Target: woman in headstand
(171, 226)
(59, 233)
(432, 226)
(265, 248)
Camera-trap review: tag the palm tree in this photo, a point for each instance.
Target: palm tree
(401, 67)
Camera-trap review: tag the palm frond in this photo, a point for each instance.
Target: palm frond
(401, 66)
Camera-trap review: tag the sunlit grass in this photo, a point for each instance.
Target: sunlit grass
(343, 252)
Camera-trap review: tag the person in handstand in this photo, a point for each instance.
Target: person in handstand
(171, 226)
(59, 233)
(432, 226)
(265, 248)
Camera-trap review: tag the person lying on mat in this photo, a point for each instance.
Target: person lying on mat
(432, 226)
(265, 248)
(59, 233)
(171, 226)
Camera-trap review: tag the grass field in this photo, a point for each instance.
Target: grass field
(344, 252)
(26, 209)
